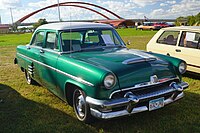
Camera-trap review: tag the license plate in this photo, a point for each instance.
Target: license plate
(156, 103)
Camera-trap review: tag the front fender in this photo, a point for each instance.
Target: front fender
(174, 61)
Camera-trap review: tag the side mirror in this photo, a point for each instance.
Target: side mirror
(129, 42)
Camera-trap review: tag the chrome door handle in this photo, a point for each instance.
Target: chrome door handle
(41, 51)
(28, 47)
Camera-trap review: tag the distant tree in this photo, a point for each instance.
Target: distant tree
(40, 22)
(191, 20)
(197, 19)
(180, 20)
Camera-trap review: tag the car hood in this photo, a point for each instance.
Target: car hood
(131, 67)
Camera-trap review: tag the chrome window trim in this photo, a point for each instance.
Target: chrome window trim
(45, 49)
(59, 71)
(51, 50)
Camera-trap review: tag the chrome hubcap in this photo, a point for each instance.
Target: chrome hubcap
(80, 105)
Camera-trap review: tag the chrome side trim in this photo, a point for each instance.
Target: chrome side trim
(30, 70)
(59, 71)
(136, 86)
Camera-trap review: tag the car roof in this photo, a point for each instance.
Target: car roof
(72, 25)
(183, 28)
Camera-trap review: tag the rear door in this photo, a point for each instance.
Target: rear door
(166, 43)
(189, 50)
(33, 54)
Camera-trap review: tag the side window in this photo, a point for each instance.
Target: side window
(51, 41)
(38, 39)
(71, 41)
(168, 37)
(190, 40)
(71, 36)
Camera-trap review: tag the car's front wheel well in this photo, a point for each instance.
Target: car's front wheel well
(69, 90)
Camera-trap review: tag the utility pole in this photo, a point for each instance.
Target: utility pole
(59, 10)
(11, 15)
(0, 19)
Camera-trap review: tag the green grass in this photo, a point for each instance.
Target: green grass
(14, 39)
(138, 38)
(28, 108)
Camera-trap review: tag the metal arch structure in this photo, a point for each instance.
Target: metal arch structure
(88, 9)
(75, 4)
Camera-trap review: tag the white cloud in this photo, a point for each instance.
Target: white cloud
(124, 9)
(157, 13)
(4, 4)
(184, 8)
(143, 3)
(43, 3)
(171, 2)
(163, 4)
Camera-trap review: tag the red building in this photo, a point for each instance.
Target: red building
(118, 23)
(4, 28)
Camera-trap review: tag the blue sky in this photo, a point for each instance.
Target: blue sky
(165, 9)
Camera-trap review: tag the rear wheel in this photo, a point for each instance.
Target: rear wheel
(80, 106)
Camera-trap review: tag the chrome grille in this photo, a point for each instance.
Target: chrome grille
(148, 91)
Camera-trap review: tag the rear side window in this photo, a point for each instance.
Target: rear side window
(38, 39)
(190, 40)
(168, 37)
(51, 41)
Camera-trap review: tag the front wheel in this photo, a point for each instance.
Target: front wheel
(80, 106)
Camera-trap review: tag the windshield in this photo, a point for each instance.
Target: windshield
(83, 39)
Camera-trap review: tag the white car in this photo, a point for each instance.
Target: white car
(182, 42)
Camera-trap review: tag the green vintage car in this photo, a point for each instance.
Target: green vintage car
(89, 66)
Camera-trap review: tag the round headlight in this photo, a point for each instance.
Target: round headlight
(182, 67)
(109, 81)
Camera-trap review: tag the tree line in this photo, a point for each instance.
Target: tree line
(189, 20)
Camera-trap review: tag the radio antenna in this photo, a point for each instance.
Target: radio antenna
(70, 30)
(59, 10)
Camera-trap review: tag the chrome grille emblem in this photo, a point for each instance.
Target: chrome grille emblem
(154, 79)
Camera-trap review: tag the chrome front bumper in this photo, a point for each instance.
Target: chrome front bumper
(104, 108)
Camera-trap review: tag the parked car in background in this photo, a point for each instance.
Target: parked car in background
(182, 42)
(161, 24)
(89, 66)
(148, 26)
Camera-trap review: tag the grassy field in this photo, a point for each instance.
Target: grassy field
(28, 108)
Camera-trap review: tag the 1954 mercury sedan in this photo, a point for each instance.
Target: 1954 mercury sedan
(89, 66)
